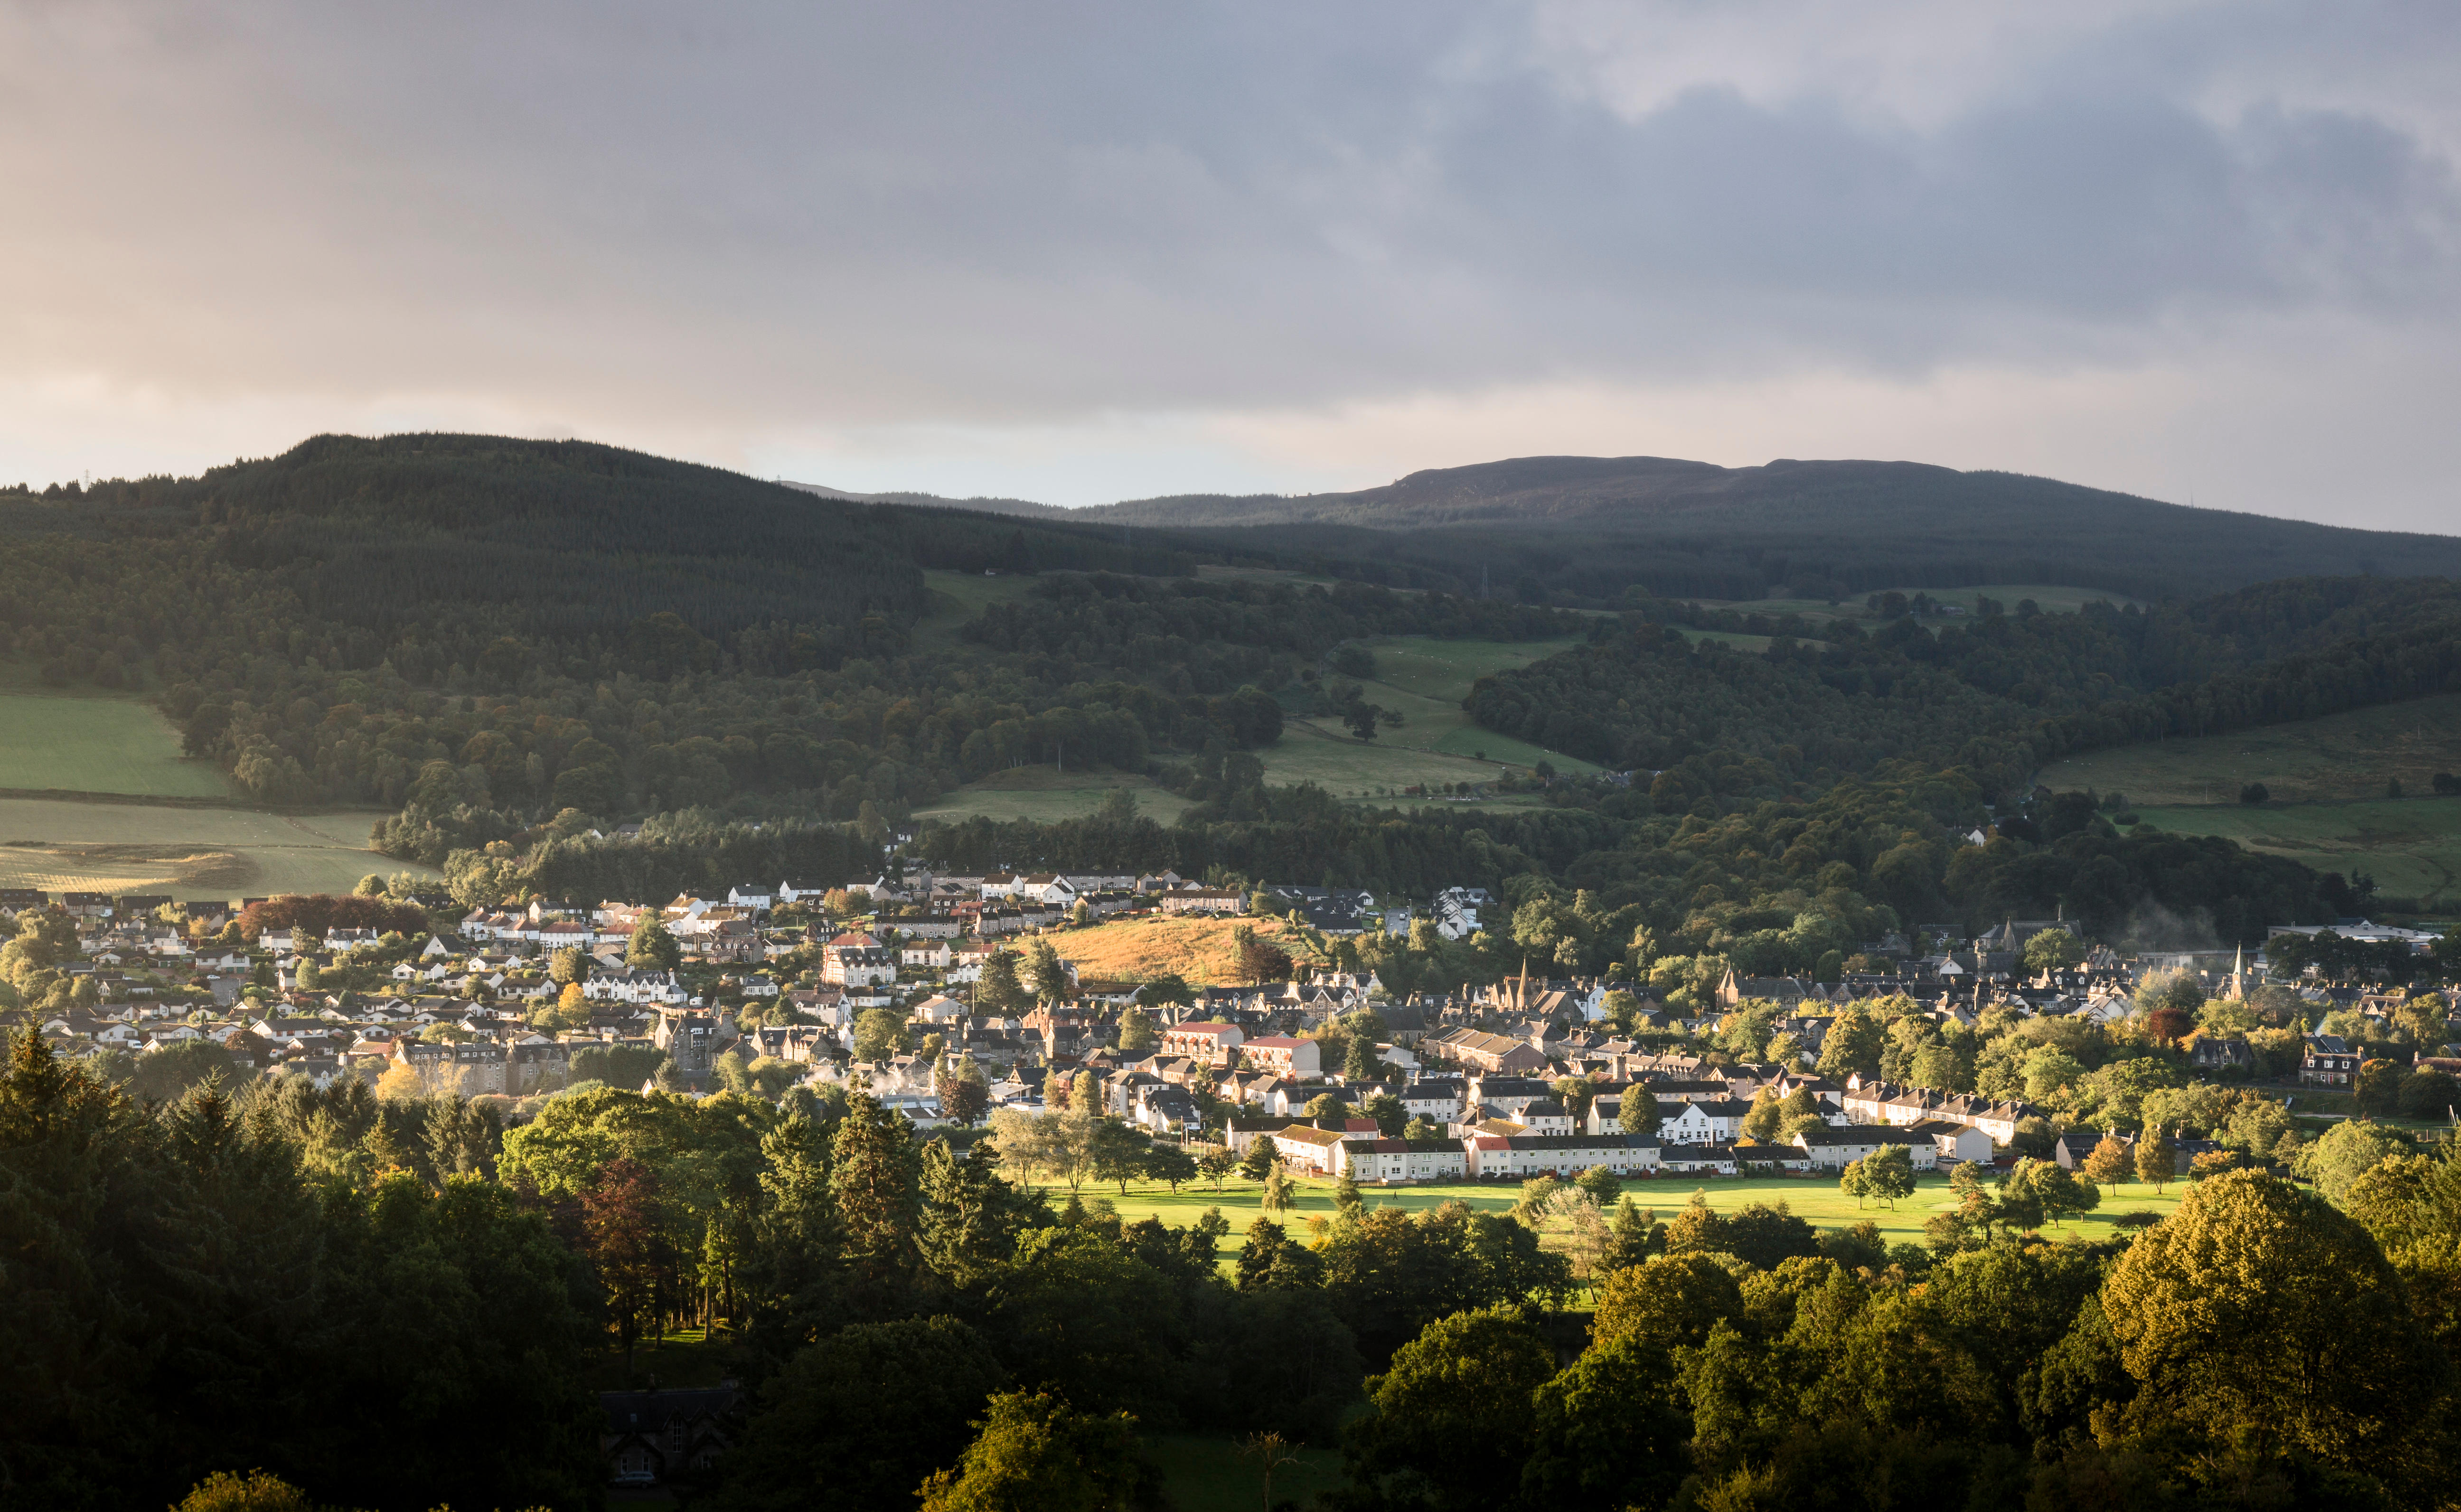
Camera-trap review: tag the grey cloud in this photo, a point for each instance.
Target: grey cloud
(985, 214)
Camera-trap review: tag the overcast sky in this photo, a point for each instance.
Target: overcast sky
(1080, 252)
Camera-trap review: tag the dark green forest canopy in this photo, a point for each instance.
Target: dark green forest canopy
(1999, 693)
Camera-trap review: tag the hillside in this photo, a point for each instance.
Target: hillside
(1597, 526)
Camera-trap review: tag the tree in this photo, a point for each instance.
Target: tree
(1046, 973)
(2053, 950)
(621, 1218)
(1606, 1433)
(1119, 1153)
(2108, 1163)
(309, 975)
(1170, 1164)
(2157, 1159)
(2347, 1151)
(1138, 1036)
(1670, 1304)
(964, 1095)
(879, 1034)
(1453, 1416)
(1216, 1163)
(857, 1419)
(1278, 1197)
(1168, 988)
(1345, 1194)
(1853, 1044)
(1361, 1063)
(1762, 1119)
(1889, 1175)
(257, 1491)
(1262, 1156)
(872, 1177)
(2055, 1192)
(653, 949)
(1390, 1115)
(568, 966)
(1036, 1454)
(2261, 1317)
(999, 992)
(2253, 793)
(1638, 1113)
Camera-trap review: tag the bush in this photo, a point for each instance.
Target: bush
(2253, 793)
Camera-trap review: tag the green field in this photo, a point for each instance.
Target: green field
(62, 845)
(2411, 846)
(1816, 1200)
(1423, 680)
(2338, 757)
(2326, 779)
(1046, 793)
(94, 742)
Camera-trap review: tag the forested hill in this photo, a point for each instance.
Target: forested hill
(1596, 526)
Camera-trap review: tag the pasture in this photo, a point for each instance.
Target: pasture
(96, 742)
(1815, 1198)
(1423, 680)
(1436, 744)
(62, 845)
(2338, 759)
(2411, 846)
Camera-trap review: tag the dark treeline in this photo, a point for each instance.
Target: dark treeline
(1220, 634)
(1999, 693)
(391, 1305)
(1726, 856)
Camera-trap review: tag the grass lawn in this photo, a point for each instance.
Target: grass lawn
(1198, 948)
(62, 845)
(1206, 1474)
(1816, 1200)
(1044, 792)
(91, 742)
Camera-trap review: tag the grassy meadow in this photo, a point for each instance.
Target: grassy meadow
(1197, 947)
(1423, 680)
(1815, 1200)
(61, 845)
(2411, 846)
(2326, 779)
(96, 742)
(2339, 759)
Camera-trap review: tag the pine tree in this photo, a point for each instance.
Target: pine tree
(872, 1178)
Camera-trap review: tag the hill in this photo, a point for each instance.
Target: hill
(507, 645)
(1595, 526)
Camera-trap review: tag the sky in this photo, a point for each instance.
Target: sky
(2210, 253)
